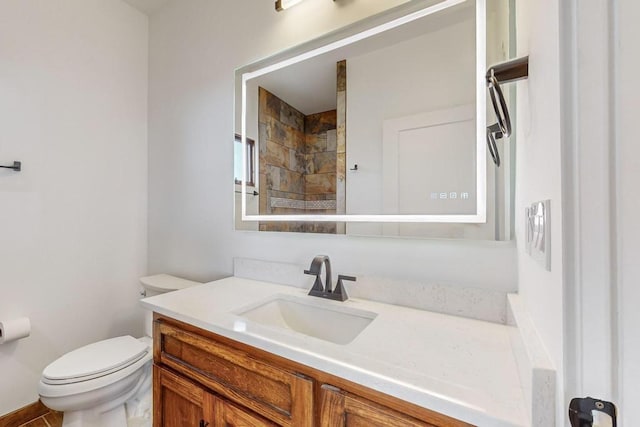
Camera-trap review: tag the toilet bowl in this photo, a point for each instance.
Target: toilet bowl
(93, 384)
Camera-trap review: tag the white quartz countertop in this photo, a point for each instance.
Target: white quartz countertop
(460, 367)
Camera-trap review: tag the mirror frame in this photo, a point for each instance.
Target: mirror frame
(368, 27)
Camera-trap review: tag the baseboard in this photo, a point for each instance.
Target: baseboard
(24, 415)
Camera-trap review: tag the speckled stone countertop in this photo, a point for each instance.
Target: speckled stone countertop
(460, 367)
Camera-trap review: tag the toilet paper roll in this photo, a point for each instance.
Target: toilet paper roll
(14, 329)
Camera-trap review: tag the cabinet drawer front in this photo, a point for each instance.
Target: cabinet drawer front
(274, 393)
(342, 409)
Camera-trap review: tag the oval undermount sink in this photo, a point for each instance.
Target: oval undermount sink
(310, 316)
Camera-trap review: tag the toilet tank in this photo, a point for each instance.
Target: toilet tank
(160, 284)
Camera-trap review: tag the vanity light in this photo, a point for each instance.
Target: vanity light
(285, 4)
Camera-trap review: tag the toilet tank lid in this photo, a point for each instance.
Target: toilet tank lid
(96, 358)
(166, 283)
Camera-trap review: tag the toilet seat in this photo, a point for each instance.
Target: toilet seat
(95, 360)
(115, 359)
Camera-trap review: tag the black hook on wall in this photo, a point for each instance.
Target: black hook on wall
(17, 166)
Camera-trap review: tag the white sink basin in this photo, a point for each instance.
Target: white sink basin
(310, 316)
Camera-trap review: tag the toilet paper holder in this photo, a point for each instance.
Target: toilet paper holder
(14, 329)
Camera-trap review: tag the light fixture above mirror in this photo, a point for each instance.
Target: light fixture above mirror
(285, 4)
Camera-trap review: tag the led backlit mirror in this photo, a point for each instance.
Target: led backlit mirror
(377, 129)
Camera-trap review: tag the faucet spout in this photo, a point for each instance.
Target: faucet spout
(327, 291)
(316, 269)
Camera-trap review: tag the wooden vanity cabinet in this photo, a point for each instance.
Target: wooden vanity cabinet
(181, 403)
(230, 415)
(202, 379)
(283, 396)
(342, 409)
(178, 402)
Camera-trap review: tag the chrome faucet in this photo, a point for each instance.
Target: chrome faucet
(326, 291)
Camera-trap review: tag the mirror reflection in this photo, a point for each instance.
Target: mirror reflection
(387, 125)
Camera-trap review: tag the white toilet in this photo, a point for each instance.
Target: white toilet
(93, 384)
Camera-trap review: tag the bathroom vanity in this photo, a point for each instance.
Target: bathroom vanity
(206, 379)
(222, 358)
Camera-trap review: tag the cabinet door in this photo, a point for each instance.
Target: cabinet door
(178, 402)
(238, 375)
(341, 409)
(230, 415)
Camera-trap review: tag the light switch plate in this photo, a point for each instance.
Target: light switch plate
(538, 235)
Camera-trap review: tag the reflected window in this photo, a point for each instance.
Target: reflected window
(237, 163)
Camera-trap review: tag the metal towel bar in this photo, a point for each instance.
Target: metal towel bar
(510, 71)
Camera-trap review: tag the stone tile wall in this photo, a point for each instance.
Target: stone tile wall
(297, 164)
(281, 156)
(341, 144)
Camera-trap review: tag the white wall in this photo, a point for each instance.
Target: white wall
(627, 208)
(73, 109)
(377, 90)
(602, 347)
(538, 172)
(194, 48)
(443, 63)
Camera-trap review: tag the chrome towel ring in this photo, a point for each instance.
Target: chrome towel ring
(494, 132)
(500, 106)
(502, 129)
(507, 72)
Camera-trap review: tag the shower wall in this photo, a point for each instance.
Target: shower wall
(297, 164)
(320, 157)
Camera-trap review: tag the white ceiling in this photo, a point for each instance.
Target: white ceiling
(147, 6)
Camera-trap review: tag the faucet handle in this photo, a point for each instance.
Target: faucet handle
(340, 292)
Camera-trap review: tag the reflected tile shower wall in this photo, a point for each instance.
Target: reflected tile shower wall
(297, 163)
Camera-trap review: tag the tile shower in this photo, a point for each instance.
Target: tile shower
(302, 161)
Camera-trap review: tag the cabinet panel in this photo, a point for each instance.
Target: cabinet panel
(277, 394)
(230, 415)
(178, 402)
(341, 409)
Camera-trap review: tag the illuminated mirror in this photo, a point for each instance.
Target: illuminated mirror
(378, 129)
